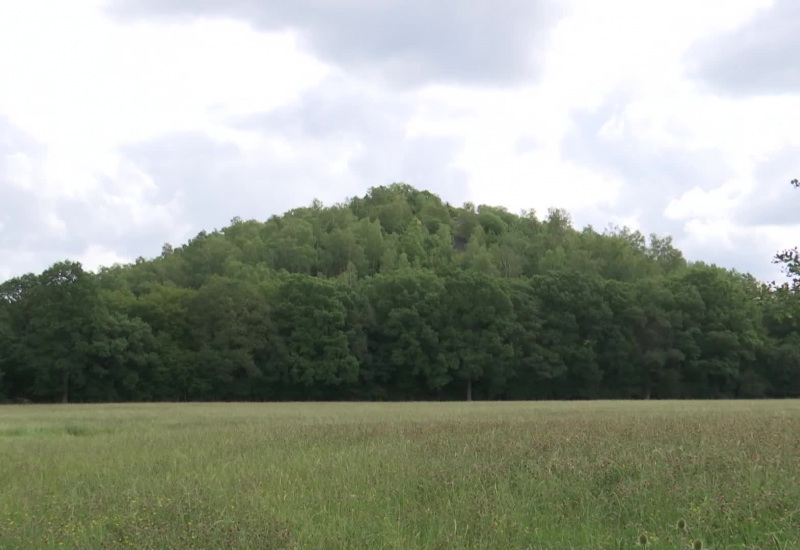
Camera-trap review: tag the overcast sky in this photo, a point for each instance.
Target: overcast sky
(125, 124)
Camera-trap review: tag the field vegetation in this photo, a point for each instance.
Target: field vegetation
(600, 474)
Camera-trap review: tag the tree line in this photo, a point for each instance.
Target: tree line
(398, 295)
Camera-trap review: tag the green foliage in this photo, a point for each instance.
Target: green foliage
(478, 324)
(404, 347)
(57, 311)
(232, 338)
(310, 320)
(398, 295)
(123, 358)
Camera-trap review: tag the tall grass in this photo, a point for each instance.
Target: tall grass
(404, 476)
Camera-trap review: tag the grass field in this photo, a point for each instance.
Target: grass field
(403, 476)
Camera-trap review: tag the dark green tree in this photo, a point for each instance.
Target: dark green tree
(399, 295)
(122, 360)
(477, 331)
(407, 358)
(60, 310)
(313, 346)
(233, 339)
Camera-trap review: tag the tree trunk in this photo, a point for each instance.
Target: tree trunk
(469, 389)
(65, 387)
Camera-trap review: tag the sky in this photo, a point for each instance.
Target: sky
(127, 124)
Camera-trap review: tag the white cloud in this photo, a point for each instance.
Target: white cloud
(716, 232)
(19, 171)
(83, 85)
(714, 204)
(95, 256)
(721, 242)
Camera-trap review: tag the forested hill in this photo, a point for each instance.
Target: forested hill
(398, 295)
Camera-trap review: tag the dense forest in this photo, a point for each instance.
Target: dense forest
(399, 296)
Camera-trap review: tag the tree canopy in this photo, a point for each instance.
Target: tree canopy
(399, 295)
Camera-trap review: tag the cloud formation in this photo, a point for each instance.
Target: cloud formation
(720, 205)
(29, 225)
(116, 220)
(773, 202)
(606, 140)
(756, 58)
(404, 43)
(333, 141)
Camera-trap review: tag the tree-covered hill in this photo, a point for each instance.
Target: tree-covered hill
(399, 295)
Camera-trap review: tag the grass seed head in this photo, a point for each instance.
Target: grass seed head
(643, 540)
(681, 525)
(698, 545)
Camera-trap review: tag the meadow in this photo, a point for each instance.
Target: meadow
(402, 476)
